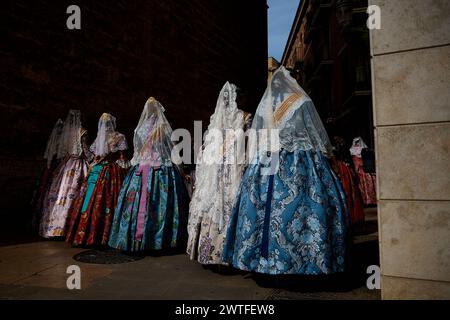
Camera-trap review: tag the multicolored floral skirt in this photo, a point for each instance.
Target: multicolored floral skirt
(206, 241)
(367, 183)
(91, 216)
(210, 211)
(292, 222)
(152, 210)
(64, 189)
(353, 194)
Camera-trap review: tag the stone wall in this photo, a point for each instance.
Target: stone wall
(411, 80)
(179, 51)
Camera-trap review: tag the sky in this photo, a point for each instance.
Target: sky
(281, 17)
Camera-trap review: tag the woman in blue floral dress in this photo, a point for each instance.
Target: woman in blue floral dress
(152, 209)
(290, 216)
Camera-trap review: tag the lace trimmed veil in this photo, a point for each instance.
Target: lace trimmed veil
(108, 139)
(53, 142)
(152, 137)
(70, 143)
(287, 107)
(217, 181)
(357, 146)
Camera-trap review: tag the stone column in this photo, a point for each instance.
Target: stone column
(411, 83)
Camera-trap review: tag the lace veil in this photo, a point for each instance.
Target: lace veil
(53, 142)
(108, 139)
(152, 137)
(357, 146)
(70, 143)
(217, 181)
(286, 106)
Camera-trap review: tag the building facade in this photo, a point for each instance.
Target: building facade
(272, 65)
(328, 52)
(179, 51)
(406, 72)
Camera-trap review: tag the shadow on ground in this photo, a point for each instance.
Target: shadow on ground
(364, 255)
(23, 277)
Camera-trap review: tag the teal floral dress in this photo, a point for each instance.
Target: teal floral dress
(152, 210)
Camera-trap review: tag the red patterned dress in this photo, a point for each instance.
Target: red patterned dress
(353, 195)
(92, 214)
(367, 181)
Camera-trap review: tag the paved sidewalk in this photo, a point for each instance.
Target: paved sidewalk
(38, 271)
(34, 269)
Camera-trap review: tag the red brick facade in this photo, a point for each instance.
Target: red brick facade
(180, 51)
(328, 49)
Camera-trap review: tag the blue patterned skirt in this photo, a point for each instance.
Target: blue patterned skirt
(157, 221)
(292, 222)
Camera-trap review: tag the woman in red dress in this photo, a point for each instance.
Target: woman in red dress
(91, 216)
(350, 183)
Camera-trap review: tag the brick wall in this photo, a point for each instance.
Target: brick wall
(179, 51)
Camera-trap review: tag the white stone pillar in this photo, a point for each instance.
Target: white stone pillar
(411, 84)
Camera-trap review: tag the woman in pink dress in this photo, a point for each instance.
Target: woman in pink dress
(67, 178)
(367, 181)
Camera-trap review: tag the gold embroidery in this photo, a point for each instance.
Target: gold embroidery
(83, 131)
(285, 106)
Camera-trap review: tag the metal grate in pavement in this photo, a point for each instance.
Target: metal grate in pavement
(106, 256)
